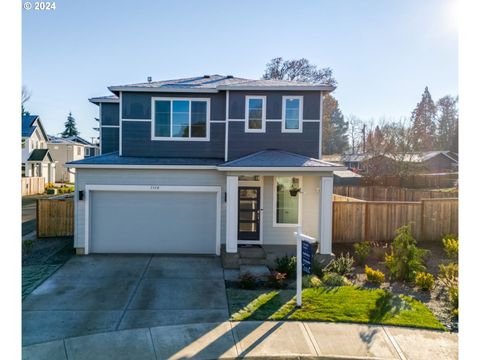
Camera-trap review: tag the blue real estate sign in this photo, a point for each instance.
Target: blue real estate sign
(306, 257)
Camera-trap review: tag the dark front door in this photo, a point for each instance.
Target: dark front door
(248, 213)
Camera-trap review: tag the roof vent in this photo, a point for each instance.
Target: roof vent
(229, 76)
(149, 79)
(206, 76)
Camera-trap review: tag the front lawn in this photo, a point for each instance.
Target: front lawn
(338, 304)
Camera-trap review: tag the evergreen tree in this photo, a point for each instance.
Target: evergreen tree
(70, 127)
(447, 123)
(334, 128)
(423, 123)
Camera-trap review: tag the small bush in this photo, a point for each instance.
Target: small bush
(334, 279)
(424, 281)
(405, 259)
(311, 281)
(448, 274)
(49, 185)
(374, 276)
(342, 265)
(286, 264)
(362, 250)
(450, 246)
(453, 297)
(248, 281)
(277, 279)
(28, 245)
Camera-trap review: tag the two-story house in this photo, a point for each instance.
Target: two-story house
(36, 159)
(189, 165)
(64, 150)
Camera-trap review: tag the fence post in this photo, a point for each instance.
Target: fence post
(366, 220)
(422, 212)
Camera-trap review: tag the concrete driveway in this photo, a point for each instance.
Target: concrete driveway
(99, 293)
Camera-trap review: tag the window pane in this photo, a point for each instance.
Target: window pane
(292, 113)
(255, 113)
(199, 118)
(287, 205)
(162, 118)
(180, 119)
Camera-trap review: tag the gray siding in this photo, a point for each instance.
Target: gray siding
(136, 141)
(241, 143)
(141, 177)
(139, 105)
(311, 103)
(110, 114)
(109, 139)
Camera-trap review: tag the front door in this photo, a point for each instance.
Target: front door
(249, 213)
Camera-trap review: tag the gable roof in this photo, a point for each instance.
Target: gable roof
(269, 159)
(215, 83)
(39, 155)
(419, 157)
(30, 124)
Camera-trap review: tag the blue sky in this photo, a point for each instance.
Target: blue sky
(383, 53)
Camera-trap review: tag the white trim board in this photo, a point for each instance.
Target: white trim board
(152, 188)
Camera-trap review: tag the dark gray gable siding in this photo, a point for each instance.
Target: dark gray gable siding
(242, 144)
(311, 103)
(109, 139)
(110, 114)
(136, 141)
(138, 105)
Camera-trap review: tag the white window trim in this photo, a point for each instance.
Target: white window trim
(274, 210)
(171, 138)
(264, 113)
(300, 114)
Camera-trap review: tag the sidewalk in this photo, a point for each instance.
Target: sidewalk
(254, 339)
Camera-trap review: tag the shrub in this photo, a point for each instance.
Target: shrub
(248, 281)
(334, 279)
(28, 245)
(450, 246)
(311, 281)
(286, 264)
(405, 259)
(362, 250)
(277, 279)
(453, 297)
(424, 281)
(343, 265)
(448, 274)
(49, 185)
(374, 276)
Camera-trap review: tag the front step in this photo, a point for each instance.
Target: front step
(259, 271)
(251, 252)
(246, 256)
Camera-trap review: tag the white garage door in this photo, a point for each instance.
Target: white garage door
(153, 222)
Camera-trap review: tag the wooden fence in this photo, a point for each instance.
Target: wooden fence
(391, 193)
(33, 185)
(377, 220)
(55, 217)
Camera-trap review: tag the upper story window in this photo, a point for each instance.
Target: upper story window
(255, 113)
(180, 119)
(292, 113)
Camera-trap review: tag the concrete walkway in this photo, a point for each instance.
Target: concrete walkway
(251, 339)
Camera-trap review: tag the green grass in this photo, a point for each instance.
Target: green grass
(339, 304)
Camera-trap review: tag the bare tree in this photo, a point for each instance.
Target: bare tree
(355, 126)
(25, 97)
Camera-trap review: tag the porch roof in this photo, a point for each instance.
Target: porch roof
(278, 160)
(39, 155)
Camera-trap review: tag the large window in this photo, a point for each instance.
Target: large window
(292, 113)
(255, 113)
(286, 205)
(180, 119)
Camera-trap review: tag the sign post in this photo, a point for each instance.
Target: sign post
(304, 259)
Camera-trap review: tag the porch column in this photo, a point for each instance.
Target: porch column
(326, 215)
(232, 214)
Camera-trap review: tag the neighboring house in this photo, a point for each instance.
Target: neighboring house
(36, 159)
(191, 165)
(64, 150)
(369, 163)
(90, 149)
(433, 161)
